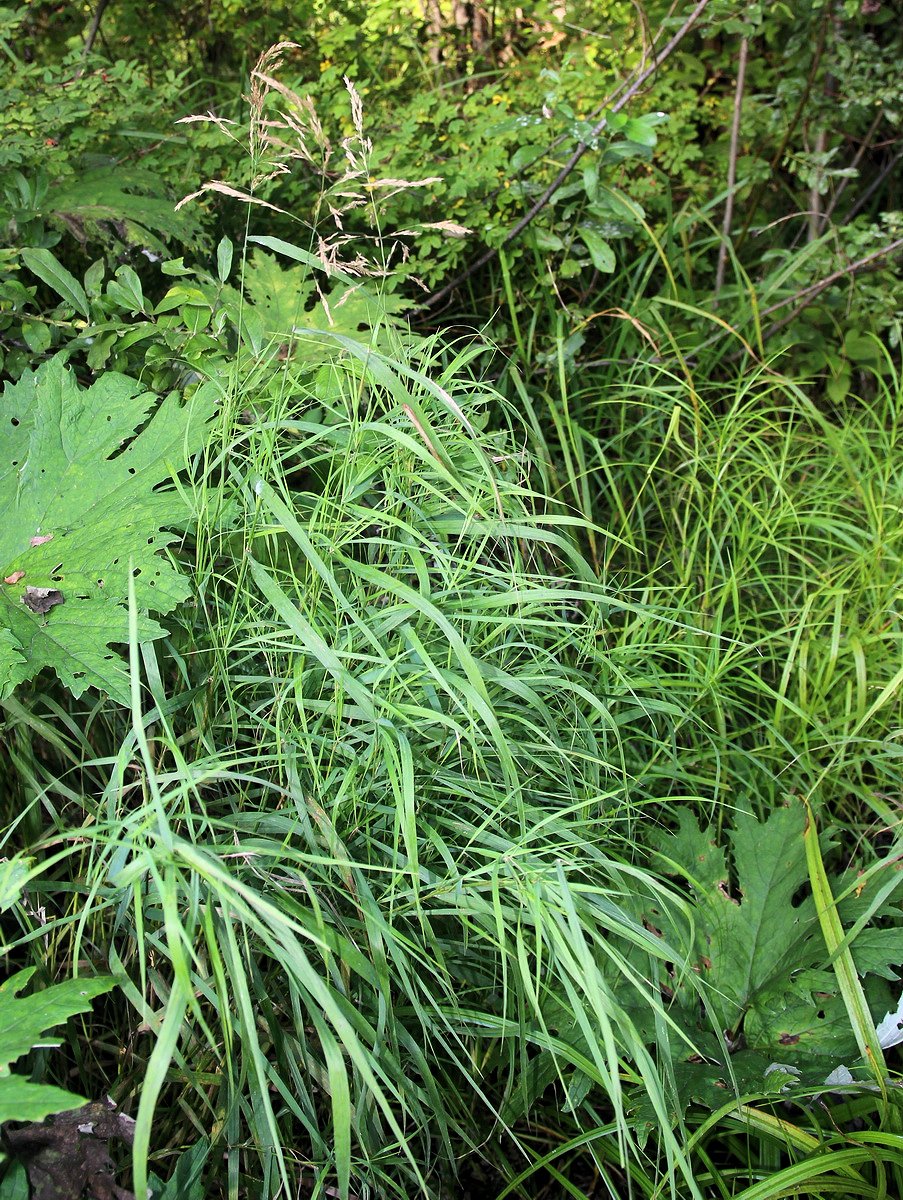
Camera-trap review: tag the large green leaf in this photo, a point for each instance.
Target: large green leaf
(24, 1022)
(292, 307)
(99, 202)
(758, 948)
(82, 497)
(751, 935)
(13, 667)
(22, 1100)
(43, 264)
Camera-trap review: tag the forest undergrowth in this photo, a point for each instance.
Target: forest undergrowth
(456, 763)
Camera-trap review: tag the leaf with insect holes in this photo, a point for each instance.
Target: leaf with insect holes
(83, 495)
(13, 667)
(757, 948)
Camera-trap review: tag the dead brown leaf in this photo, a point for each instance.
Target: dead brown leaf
(42, 600)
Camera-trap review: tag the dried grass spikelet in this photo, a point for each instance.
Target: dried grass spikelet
(284, 130)
(226, 189)
(269, 156)
(271, 60)
(449, 228)
(222, 123)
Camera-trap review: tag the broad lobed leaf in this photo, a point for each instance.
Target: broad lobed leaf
(22, 1100)
(24, 1020)
(83, 496)
(751, 936)
(758, 951)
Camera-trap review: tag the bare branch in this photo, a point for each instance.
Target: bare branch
(91, 36)
(873, 187)
(582, 147)
(857, 159)
(732, 164)
(804, 298)
(815, 210)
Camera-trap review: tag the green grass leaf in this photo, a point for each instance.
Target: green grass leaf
(861, 1020)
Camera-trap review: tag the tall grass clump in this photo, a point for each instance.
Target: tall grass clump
(360, 854)
(707, 470)
(743, 503)
(765, 519)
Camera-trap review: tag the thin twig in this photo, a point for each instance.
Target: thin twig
(873, 187)
(606, 104)
(432, 14)
(814, 223)
(582, 147)
(804, 298)
(850, 269)
(732, 164)
(854, 164)
(91, 36)
(817, 218)
(753, 201)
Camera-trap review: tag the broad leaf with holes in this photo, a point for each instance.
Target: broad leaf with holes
(756, 945)
(82, 496)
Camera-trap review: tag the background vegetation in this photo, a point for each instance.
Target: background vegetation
(450, 637)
